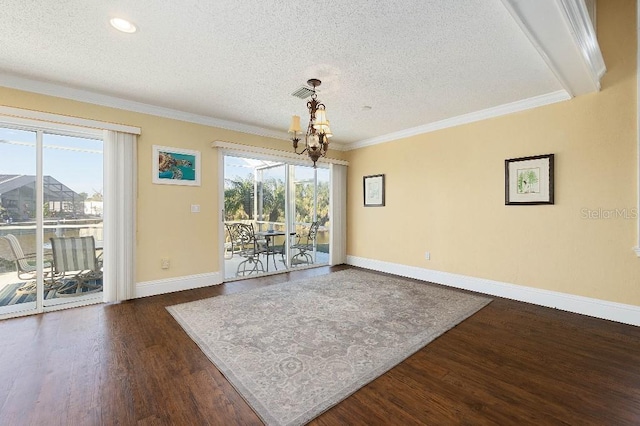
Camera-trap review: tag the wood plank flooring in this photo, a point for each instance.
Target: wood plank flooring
(130, 363)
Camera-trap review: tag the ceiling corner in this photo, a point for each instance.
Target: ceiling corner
(563, 32)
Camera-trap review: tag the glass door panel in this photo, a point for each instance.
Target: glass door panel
(302, 247)
(271, 218)
(281, 203)
(322, 215)
(18, 265)
(311, 217)
(72, 208)
(253, 216)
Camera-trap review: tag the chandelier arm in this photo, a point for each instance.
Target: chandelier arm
(301, 152)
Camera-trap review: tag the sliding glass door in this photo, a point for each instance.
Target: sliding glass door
(73, 205)
(311, 215)
(50, 201)
(18, 247)
(283, 207)
(270, 206)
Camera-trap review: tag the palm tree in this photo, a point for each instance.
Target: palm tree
(305, 199)
(238, 198)
(323, 203)
(273, 199)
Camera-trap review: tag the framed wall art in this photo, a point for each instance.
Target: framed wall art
(373, 187)
(176, 166)
(529, 180)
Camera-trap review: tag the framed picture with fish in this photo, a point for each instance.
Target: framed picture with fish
(176, 166)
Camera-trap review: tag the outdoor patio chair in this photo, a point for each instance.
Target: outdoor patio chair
(26, 267)
(75, 266)
(232, 241)
(304, 245)
(250, 249)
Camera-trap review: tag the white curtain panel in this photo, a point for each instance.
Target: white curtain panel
(338, 215)
(120, 165)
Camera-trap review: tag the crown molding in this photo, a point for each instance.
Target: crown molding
(50, 89)
(484, 114)
(59, 91)
(584, 33)
(564, 36)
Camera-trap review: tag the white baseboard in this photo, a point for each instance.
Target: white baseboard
(627, 314)
(169, 285)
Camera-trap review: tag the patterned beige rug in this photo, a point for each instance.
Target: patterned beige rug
(295, 349)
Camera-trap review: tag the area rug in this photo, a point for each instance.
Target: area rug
(295, 349)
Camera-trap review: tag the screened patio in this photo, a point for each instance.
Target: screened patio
(280, 203)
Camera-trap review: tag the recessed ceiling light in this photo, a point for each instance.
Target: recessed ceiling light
(123, 25)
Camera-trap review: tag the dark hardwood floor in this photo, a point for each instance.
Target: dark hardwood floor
(131, 363)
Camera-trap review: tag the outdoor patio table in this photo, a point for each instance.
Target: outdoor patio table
(269, 236)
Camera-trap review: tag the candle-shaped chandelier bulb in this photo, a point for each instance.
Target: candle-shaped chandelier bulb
(295, 124)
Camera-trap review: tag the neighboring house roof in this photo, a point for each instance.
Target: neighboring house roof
(10, 182)
(54, 190)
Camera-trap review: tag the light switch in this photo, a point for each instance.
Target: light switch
(195, 208)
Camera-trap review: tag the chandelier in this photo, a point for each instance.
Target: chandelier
(316, 139)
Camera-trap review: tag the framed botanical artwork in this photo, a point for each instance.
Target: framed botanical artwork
(529, 180)
(176, 166)
(373, 190)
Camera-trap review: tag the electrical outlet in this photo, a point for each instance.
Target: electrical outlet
(427, 255)
(165, 263)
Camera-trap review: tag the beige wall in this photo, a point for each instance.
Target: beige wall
(445, 190)
(165, 225)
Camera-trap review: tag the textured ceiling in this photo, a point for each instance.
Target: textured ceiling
(413, 62)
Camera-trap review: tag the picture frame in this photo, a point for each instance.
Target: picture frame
(529, 180)
(373, 190)
(175, 166)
